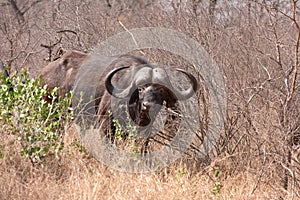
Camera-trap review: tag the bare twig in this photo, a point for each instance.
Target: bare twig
(134, 40)
(260, 175)
(50, 48)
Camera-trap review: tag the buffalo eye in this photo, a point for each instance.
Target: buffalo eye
(64, 65)
(66, 61)
(140, 89)
(161, 90)
(140, 92)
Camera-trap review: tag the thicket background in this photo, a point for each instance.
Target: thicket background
(255, 44)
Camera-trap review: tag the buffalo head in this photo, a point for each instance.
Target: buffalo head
(62, 72)
(149, 89)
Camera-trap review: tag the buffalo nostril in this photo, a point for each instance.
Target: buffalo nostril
(144, 107)
(146, 104)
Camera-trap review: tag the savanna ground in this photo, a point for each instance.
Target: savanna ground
(256, 46)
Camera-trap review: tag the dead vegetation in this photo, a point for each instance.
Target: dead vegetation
(255, 44)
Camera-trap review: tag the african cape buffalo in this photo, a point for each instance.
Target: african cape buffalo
(146, 87)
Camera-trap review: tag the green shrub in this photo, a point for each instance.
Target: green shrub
(216, 189)
(38, 125)
(129, 135)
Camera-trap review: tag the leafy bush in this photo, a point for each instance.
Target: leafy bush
(128, 133)
(38, 125)
(216, 189)
(126, 137)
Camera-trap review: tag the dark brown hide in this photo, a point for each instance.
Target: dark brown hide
(63, 72)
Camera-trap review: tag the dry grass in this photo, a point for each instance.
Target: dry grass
(255, 44)
(76, 175)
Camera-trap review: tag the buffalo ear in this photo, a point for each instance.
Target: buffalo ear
(171, 100)
(133, 104)
(134, 97)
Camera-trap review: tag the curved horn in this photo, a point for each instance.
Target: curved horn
(116, 92)
(182, 95)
